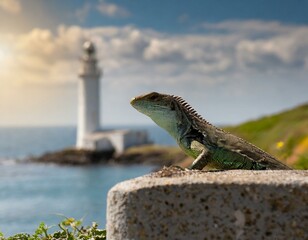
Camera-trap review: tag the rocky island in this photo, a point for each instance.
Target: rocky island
(155, 155)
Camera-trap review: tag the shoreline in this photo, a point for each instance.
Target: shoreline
(155, 155)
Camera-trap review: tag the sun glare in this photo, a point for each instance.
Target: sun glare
(2, 54)
(5, 56)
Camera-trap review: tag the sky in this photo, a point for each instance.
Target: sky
(233, 61)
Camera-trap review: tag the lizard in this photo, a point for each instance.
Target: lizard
(209, 145)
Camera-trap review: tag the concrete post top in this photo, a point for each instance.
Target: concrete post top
(176, 176)
(237, 204)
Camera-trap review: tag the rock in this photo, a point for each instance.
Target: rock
(236, 204)
(74, 157)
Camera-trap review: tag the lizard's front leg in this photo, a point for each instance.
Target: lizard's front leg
(203, 158)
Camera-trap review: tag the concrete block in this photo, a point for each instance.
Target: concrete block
(237, 204)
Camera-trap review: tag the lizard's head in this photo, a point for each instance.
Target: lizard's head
(161, 108)
(153, 104)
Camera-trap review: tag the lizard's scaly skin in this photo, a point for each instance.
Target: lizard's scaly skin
(208, 145)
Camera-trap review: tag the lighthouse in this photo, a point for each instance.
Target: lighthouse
(88, 95)
(90, 136)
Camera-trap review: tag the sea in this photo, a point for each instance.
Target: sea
(33, 193)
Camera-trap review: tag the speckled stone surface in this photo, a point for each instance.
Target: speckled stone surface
(176, 204)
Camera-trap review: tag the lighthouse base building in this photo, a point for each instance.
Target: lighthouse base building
(115, 140)
(89, 135)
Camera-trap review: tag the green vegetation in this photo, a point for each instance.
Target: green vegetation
(285, 135)
(302, 162)
(70, 229)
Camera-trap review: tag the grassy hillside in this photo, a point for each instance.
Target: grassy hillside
(285, 135)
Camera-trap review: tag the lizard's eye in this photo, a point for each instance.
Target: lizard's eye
(153, 97)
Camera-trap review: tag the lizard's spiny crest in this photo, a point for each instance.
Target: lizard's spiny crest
(191, 111)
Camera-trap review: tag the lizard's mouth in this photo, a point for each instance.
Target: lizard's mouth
(137, 104)
(136, 101)
(132, 101)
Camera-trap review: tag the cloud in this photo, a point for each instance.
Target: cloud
(104, 8)
(249, 26)
(112, 10)
(220, 67)
(41, 58)
(266, 46)
(10, 6)
(171, 58)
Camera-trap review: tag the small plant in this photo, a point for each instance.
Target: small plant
(70, 229)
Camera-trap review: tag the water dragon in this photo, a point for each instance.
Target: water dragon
(208, 145)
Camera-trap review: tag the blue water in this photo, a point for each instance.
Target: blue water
(31, 193)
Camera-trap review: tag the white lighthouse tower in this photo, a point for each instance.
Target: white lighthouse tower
(88, 95)
(89, 134)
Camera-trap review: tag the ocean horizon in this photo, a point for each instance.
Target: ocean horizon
(32, 193)
(18, 142)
